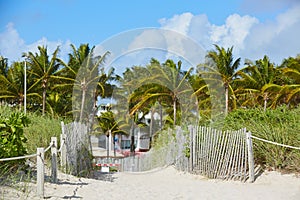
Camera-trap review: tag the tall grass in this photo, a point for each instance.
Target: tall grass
(39, 131)
(279, 125)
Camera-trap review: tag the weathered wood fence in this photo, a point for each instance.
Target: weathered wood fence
(201, 150)
(78, 156)
(172, 153)
(221, 154)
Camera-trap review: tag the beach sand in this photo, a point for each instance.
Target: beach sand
(168, 183)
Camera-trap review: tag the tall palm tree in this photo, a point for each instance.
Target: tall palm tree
(165, 83)
(291, 69)
(223, 66)
(42, 70)
(84, 75)
(110, 126)
(259, 80)
(12, 84)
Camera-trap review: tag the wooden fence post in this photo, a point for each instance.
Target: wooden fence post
(250, 156)
(40, 172)
(54, 159)
(63, 156)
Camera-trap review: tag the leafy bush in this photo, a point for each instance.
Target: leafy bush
(12, 141)
(280, 125)
(39, 131)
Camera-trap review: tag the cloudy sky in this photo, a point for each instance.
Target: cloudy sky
(253, 27)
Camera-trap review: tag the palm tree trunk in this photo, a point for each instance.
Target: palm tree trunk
(174, 111)
(226, 100)
(44, 101)
(265, 102)
(82, 105)
(151, 127)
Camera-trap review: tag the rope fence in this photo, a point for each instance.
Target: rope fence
(275, 143)
(18, 157)
(23, 157)
(41, 162)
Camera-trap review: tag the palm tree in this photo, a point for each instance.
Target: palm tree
(12, 87)
(201, 92)
(3, 65)
(109, 126)
(259, 79)
(84, 75)
(291, 69)
(225, 67)
(42, 70)
(165, 83)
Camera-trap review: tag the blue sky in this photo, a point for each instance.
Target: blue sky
(253, 27)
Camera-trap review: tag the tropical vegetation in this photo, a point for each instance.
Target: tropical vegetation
(221, 86)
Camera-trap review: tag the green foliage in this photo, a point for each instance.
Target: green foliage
(12, 141)
(39, 131)
(280, 125)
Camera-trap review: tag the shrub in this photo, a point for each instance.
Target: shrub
(12, 141)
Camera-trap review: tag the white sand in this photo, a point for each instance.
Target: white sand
(168, 183)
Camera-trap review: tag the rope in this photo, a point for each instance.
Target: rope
(19, 157)
(283, 145)
(48, 147)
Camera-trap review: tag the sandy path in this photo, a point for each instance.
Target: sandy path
(167, 183)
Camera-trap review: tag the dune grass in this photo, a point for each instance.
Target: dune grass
(281, 125)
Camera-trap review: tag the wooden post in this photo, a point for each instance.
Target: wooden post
(54, 159)
(63, 156)
(40, 172)
(63, 153)
(250, 157)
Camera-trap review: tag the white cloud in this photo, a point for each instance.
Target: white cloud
(12, 46)
(179, 23)
(233, 32)
(250, 37)
(278, 39)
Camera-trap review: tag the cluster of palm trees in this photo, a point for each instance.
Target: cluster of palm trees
(257, 84)
(52, 84)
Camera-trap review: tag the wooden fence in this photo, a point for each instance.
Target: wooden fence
(221, 154)
(78, 156)
(212, 153)
(172, 153)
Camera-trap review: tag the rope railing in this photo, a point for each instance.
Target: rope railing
(275, 143)
(23, 157)
(40, 161)
(51, 145)
(18, 157)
